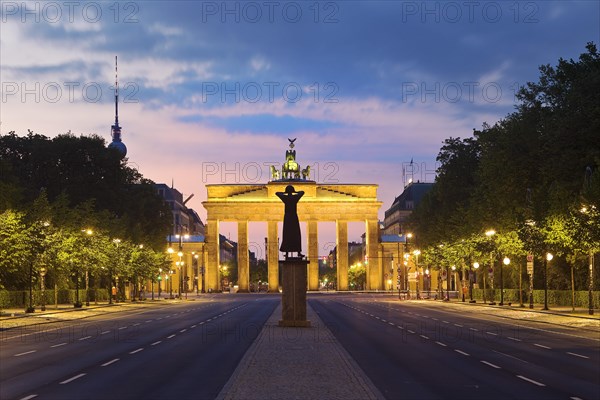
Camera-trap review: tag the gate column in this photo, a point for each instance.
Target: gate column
(243, 258)
(342, 254)
(313, 256)
(212, 248)
(273, 256)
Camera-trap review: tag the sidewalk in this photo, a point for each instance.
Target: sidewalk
(17, 317)
(298, 363)
(561, 315)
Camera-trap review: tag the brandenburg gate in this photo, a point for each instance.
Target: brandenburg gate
(340, 203)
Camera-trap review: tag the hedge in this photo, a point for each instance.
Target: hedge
(20, 298)
(555, 297)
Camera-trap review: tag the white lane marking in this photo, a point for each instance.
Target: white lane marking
(542, 346)
(441, 344)
(123, 327)
(155, 343)
(32, 396)
(435, 319)
(409, 331)
(136, 350)
(577, 355)
(391, 323)
(446, 322)
(399, 327)
(106, 364)
(183, 330)
(60, 344)
(104, 333)
(424, 337)
(508, 355)
(148, 320)
(84, 338)
(530, 380)
(490, 364)
(461, 352)
(512, 338)
(27, 352)
(473, 329)
(193, 326)
(492, 333)
(459, 325)
(72, 379)
(576, 398)
(377, 318)
(136, 324)
(384, 320)
(169, 337)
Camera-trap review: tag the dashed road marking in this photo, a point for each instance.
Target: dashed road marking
(106, 364)
(490, 364)
(512, 338)
(60, 344)
(123, 327)
(172, 336)
(542, 346)
(136, 350)
(458, 325)
(530, 380)
(183, 330)
(409, 331)
(104, 333)
(461, 352)
(27, 352)
(33, 396)
(492, 333)
(155, 343)
(84, 338)
(577, 355)
(424, 337)
(71, 379)
(441, 344)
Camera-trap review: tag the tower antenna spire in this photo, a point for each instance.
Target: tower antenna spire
(116, 93)
(116, 129)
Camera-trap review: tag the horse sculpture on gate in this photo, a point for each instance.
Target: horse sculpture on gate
(290, 169)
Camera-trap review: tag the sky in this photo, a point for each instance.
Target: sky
(210, 91)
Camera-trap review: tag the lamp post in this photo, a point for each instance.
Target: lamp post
(179, 265)
(453, 268)
(506, 262)
(490, 234)
(43, 283)
(159, 282)
(77, 302)
(196, 273)
(416, 253)
(548, 257)
(89, 233)
(116, 241)
(30, 308)
(428, 280)
(472, 279)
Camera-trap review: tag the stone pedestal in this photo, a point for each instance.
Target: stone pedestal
(293, 297)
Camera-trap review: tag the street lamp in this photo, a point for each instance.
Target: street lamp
(89, 233)
(506, 262)
(416, 253)
(159, 281)
(455, 280)
(472, 281)
(548, 257)
(490, 233)
(43, 283)
(110, 275)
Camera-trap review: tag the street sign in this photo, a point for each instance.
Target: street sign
(530, 264)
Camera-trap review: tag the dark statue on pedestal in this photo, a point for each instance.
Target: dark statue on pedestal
(292, 238)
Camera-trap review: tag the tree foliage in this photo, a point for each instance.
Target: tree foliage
(534, 176)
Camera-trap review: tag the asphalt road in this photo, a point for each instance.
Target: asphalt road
(423, 350)
(186, 350)
(409, 350)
